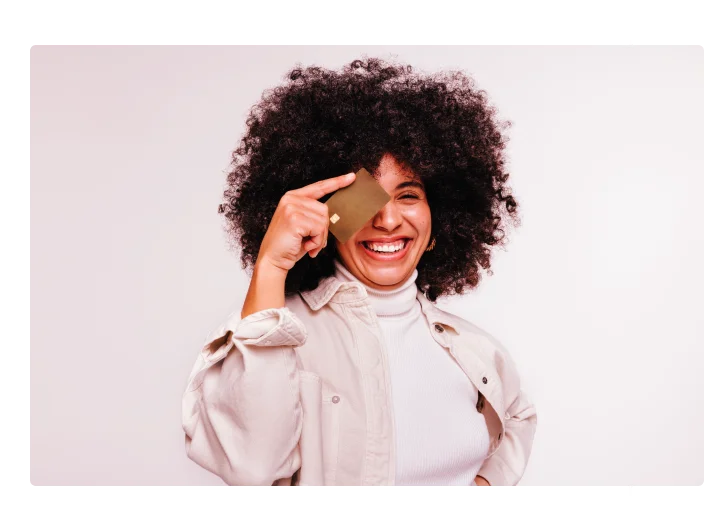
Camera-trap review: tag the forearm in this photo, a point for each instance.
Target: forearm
(266, 289)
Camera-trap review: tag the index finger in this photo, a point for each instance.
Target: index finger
(321, 188)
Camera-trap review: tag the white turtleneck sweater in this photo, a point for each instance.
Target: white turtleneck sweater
(441, 438)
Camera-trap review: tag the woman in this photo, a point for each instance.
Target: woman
(340, 369)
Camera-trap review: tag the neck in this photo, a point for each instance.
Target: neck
(394, 302)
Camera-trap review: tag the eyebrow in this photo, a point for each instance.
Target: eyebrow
(410, 183)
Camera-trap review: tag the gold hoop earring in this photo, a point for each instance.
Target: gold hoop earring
(431, 246)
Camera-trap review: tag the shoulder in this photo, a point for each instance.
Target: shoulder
(466, 327)
(298, 305)
(485, 342)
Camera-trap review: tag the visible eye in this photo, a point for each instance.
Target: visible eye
(408, 196)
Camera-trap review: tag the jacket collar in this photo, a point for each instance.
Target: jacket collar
(331, 289)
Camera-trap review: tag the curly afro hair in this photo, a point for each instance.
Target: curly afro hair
(323, 123)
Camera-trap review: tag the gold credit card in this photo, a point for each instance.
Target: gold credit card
(351, 207)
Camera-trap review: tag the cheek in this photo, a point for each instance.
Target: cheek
(420, 219)
(347, 247)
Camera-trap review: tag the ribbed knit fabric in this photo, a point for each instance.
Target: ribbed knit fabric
(441, 438)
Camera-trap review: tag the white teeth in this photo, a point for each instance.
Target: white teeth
(385, 248)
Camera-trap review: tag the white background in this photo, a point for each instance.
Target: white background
(597, 297)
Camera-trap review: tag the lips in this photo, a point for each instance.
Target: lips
(394, 242)
(386, 240)
(382, 256)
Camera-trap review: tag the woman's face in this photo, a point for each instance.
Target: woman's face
(403, 221)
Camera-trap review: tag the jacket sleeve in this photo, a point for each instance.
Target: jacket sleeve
(505, 467)
(241, 410)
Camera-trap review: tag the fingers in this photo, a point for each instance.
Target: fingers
(313, 209)
(304, 202)
(321, 188)
(310, 224)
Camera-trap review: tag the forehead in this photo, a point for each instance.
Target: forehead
(391, 175)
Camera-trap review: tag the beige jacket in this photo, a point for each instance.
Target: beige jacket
(300, 395)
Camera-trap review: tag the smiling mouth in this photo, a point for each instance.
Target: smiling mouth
(405, 241)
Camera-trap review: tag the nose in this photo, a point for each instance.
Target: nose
(388, 217)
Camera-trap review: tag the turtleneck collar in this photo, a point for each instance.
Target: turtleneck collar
(386, 303)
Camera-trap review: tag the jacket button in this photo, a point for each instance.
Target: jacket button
(484, 381)
(335, 399)
(439, 328)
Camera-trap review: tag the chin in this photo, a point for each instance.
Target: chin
(390, 276)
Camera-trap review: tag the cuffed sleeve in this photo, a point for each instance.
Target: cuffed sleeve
(505, 467)
(241, 410)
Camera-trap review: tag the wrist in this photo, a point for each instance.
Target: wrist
(481, 481)
(264, 268)
(266, 290)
